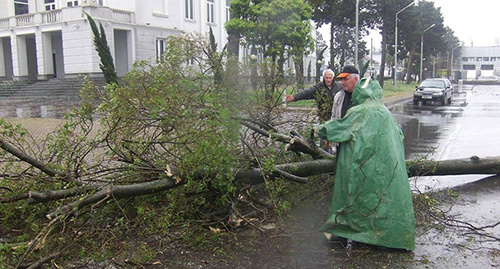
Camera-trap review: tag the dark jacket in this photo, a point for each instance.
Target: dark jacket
(323, 96)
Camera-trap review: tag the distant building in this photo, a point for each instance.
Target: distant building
(44, 39)
(477, 61)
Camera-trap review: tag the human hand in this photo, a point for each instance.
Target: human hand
(314, 132)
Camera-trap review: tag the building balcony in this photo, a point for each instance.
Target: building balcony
(67, 15)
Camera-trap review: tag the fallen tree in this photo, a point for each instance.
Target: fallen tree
(199, 149)
(322, 163)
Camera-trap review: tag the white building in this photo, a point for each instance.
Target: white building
(43, 39)
(477, 61)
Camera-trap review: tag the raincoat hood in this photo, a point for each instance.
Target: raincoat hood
(365, 90)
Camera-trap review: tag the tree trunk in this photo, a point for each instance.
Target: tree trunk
(331, 64)
(382, 60)
(409, 70)
(297, 172)
(299, 71)
(472, 165)
(233, 44)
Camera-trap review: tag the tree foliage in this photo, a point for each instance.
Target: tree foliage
(412, 30)
(101, 45)
(381, 15)
(341, 16)
(166, 155)
(278, 29)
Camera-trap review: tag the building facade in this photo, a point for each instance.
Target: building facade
(44, 39)
(477, 61)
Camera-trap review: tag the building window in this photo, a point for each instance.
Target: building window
(487, 67)
(160, 48)
(21, 7)
(50, 5)
(493, 59)
(210, 11)
(465, 59)
(228, 10)
(189, 9)
(72, 3)
(469, 67)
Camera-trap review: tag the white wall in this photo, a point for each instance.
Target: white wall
(78, 49)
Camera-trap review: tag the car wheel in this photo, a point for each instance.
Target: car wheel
(443, 102)
(415, 102)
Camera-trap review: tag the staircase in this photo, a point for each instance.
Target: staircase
(67, 89)
(9, 87)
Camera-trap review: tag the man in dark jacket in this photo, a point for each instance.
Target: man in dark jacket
(323, 92)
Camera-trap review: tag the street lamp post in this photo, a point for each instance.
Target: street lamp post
(396, 41)
(422, 50)
(357, 35)
(451, 64)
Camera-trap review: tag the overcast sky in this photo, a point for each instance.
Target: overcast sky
(473, 21)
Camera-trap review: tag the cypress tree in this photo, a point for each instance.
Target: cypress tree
(107, 66)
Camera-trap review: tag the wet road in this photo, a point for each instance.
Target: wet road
(469, 126)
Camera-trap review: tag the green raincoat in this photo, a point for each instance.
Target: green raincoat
(372, 201)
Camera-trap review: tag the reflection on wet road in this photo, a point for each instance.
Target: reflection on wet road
(469, 126)
(423, 125)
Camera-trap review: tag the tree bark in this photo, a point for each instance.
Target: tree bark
(472, 165)
(409, 70)
(382, 59)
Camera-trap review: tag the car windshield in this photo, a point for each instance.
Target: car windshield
(432, 84)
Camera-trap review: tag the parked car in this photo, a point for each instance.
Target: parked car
(434, 90)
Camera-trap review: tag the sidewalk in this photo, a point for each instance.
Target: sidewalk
(39, 128)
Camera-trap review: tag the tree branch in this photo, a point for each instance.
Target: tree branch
(294, 143)
(121, 191)
(28, 159)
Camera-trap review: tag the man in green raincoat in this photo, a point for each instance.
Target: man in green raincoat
(372, 201)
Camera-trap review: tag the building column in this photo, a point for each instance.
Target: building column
(19, 57)
(44, 55)
(3, 74)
